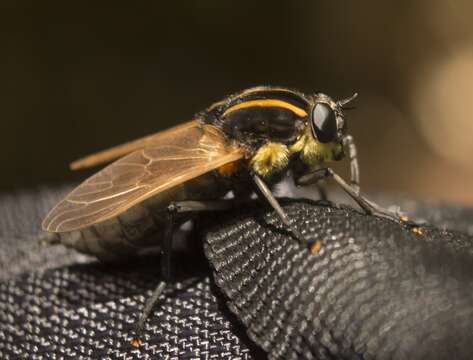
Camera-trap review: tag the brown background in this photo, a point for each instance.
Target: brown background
(76, 77)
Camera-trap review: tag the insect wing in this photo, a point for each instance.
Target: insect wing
(188, 153)
(127, 148)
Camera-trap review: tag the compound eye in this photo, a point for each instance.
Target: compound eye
(323, 123)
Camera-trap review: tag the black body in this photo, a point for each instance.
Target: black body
(253, 126)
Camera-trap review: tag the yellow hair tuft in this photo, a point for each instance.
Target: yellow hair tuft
(313, 152)
(270, 159)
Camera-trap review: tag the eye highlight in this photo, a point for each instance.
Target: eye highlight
(323, 123)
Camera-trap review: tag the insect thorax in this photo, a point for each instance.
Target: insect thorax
(274, 158)
(273, 124)
(255, 116)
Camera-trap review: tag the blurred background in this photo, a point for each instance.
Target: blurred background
(77, 77)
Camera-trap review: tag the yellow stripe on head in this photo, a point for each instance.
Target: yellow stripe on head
(267, 103)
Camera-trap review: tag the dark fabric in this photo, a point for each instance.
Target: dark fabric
(56, 303)
(374, 290)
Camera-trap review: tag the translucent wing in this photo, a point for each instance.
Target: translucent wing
(124, 149)
(188, 153)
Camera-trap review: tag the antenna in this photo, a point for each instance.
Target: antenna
(345, 101)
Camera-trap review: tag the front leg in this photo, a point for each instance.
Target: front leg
(368, 206)
(350, 148)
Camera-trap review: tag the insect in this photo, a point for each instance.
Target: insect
(244, 143)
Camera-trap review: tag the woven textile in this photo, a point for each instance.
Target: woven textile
(58, 304)
(375, 290)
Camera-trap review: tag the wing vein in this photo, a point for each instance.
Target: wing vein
(179, 156)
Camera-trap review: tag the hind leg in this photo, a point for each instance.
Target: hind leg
(174, 210)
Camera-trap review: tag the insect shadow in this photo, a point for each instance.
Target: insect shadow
(83, 285)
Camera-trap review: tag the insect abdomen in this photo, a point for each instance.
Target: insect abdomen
(115, 238)
(140, 227)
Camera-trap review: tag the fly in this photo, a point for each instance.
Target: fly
(246, 142)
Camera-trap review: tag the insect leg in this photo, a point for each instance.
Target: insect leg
(349, 145)
(367, 205)
(175, 208)
(266, 192)
(150, 302)
(192, 206)
(166, 271)
(322, 191)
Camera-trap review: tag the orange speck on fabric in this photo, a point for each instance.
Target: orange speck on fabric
(135, 343)
(315, 247)
(418, 231)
